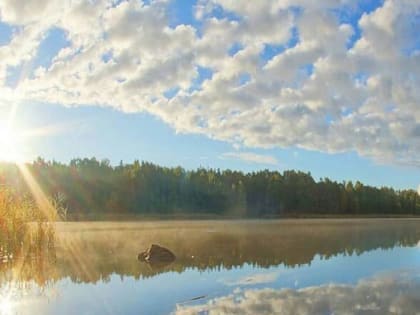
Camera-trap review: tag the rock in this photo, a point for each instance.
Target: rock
(157, 255)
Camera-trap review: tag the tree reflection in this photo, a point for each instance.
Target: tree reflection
(100, 249)
(91, 252)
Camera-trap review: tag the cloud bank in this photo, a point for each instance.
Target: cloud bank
(256, 74)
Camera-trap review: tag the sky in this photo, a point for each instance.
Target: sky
(328, 87)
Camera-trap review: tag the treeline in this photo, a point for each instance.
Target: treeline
(91, 187)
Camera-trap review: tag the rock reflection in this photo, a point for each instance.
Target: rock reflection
(386, 294)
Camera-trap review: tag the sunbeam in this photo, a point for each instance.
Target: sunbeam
(41, 199)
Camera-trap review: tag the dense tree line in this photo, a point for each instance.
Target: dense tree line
(89, 186)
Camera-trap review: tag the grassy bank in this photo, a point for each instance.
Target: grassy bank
(24, 226)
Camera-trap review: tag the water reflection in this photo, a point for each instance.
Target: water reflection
(98, 250)
(25, 264)
(396, 293)
(31, 258)
(310, 266)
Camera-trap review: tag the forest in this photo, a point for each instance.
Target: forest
(91, 188)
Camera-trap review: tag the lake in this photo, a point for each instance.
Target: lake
(308, 266)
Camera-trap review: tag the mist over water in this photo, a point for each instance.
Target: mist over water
(223, 267)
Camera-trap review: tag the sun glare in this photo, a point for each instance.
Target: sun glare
(5, 306)
(9, 145)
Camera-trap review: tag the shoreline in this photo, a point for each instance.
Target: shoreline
(209, 217)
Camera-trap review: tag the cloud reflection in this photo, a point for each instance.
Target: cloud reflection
(258, 278)
(396, 293)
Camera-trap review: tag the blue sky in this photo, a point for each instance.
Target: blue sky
(216, 84)
(109, 134)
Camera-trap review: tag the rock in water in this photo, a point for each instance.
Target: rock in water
(157, 254)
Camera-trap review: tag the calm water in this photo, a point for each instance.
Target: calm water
(222, 267)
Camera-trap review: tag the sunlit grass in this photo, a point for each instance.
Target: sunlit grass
(23, 224)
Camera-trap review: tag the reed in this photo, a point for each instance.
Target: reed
(24, 227)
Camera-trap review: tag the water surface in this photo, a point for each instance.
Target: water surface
(365, 266)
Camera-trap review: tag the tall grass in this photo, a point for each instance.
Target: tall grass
(24, 227)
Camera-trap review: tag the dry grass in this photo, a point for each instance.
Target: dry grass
(22, 224)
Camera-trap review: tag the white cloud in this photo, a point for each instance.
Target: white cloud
(319, 94)
(251, 157)
(26, 11)
(391, 294)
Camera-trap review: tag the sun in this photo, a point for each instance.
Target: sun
(10, 142)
